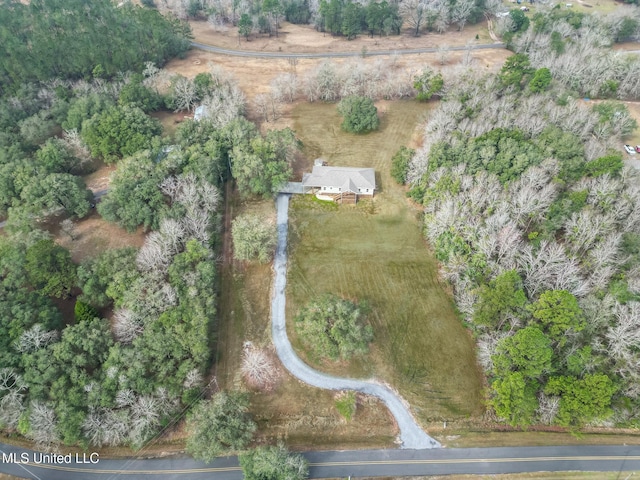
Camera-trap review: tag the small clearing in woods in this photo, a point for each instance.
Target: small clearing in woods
(170, 120)
(375, 251)
(93, 235)
(99, 179)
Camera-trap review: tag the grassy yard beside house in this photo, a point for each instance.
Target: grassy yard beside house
(375, 252)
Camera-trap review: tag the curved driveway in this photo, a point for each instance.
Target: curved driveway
(411, 435)
(249, 53)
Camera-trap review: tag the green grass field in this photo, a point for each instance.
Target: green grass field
(375, 251)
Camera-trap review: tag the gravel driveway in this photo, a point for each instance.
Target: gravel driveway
(411, 435)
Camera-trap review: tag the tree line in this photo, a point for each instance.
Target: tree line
(535, 220)
(116, 378)
(72, 39)
(339, 17)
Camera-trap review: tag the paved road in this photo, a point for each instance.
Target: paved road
(254, 54)
(411, 435)
(362, 463)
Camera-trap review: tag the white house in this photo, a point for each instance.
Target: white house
(341, 184)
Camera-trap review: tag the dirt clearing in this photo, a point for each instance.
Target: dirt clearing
(93, 235)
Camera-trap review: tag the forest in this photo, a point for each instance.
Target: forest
(535, 219)
(134, 356)
(345, 18)
(71, 39)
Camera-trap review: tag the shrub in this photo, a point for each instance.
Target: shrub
(400, 164)
(219, 425)
(359, 113)
(273, 463)
(346, 404)
(253, 238)
(333, 327)
(83, 311)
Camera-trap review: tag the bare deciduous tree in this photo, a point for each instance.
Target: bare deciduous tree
(154, 255)
(225, 105)
(461, 11)
(42, 425)
(286, 86)
(71, 138)
(258, 368)
(69, 228)
(145, 418)
(548, 407)
(414, 12)
(184, 94)
(261, 104)
(35, 338)
(125, 398)
(193, 379)
(624, 337)
(11, 381)
(127, 325)
(11, 408)
(106, 427)
(443, 53)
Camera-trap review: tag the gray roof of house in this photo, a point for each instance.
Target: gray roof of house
(347, 178)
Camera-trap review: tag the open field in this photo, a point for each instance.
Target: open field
(376, 252)
(304, 417)
(306, 39)
(254, 75)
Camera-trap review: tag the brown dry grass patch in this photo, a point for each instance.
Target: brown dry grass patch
(634, 138)
(305, 39)
(254, 75)
(94, 235)
(522, 476)
(475, 438)
(170, 121)
(100, 178)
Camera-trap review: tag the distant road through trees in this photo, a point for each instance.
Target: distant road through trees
(248, 53)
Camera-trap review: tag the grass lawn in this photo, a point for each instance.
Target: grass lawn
(485, 438)
(304, 417)
(375, 252)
